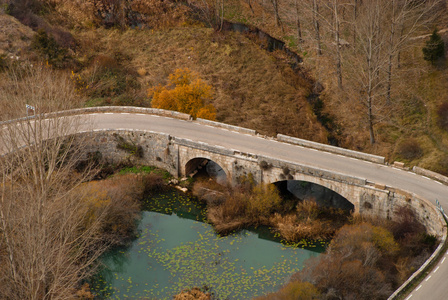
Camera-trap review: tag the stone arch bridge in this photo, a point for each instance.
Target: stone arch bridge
(181, 157)
(172, 141)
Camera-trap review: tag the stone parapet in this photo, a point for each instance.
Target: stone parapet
(430, 174)
(227, 126)
(104, 109)
(331, 149)
(313, 171)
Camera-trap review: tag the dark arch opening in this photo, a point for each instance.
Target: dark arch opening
(204, 167)
(304, 190)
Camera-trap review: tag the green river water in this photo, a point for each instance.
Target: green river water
(176, 250)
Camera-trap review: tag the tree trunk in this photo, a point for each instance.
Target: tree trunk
(370, 116)
(250, 6)
(277, 16)
(299, 28)
(338, 48)
(391, 54)
(316, 26)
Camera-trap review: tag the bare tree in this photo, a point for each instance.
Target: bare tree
(48, 237)
(373, 55)
(278, 21)
(316, 26)
(369, 60)
(299, 28)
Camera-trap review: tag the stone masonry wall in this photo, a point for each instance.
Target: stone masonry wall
(157, 149)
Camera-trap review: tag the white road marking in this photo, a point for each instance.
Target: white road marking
(427, 278)
(108, 113)
(438, 182)
(209, 126)
(155, 116)
(93, 114)
(396, 169)
(436, 269)
(412, 173)
(418, 287)
(140, 114)
(409, 297)
(427, 177)
(125, 113)
(443, 260)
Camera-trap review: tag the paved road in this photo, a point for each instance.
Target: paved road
(433, 287)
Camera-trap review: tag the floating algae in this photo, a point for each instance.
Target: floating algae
(177, 250)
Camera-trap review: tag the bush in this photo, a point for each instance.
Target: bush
(295, 290)
(119, 199)
(263, 201)
(442, 115)
(49, 49)
(189, 94)
(434, 49)
(409, 149)
(153, 182)
(3, 63)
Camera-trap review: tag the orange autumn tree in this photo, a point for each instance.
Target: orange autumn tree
(186, 93)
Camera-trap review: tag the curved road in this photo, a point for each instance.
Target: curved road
(433, 287)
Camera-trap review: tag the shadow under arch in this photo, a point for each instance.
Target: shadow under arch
(202, 166)
(303, 190)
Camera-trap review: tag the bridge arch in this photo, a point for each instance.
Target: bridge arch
(189, 155)
(303, 190)
(213, 169)
(352, 193)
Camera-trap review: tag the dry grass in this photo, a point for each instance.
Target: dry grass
(260, 205)
(264, 91)
(193, 294)
(308, 222)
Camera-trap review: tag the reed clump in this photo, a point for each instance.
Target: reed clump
(253, 205)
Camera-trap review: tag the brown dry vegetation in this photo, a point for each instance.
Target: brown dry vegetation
(248, 205)
(112, 64)
(371, 257)
(264, 90)
(375, 255)
(418, 88)
(192, 294)
(260, 86)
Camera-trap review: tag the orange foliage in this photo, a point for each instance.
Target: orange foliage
(188, 94)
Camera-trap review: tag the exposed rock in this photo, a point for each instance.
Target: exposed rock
(181, 189)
